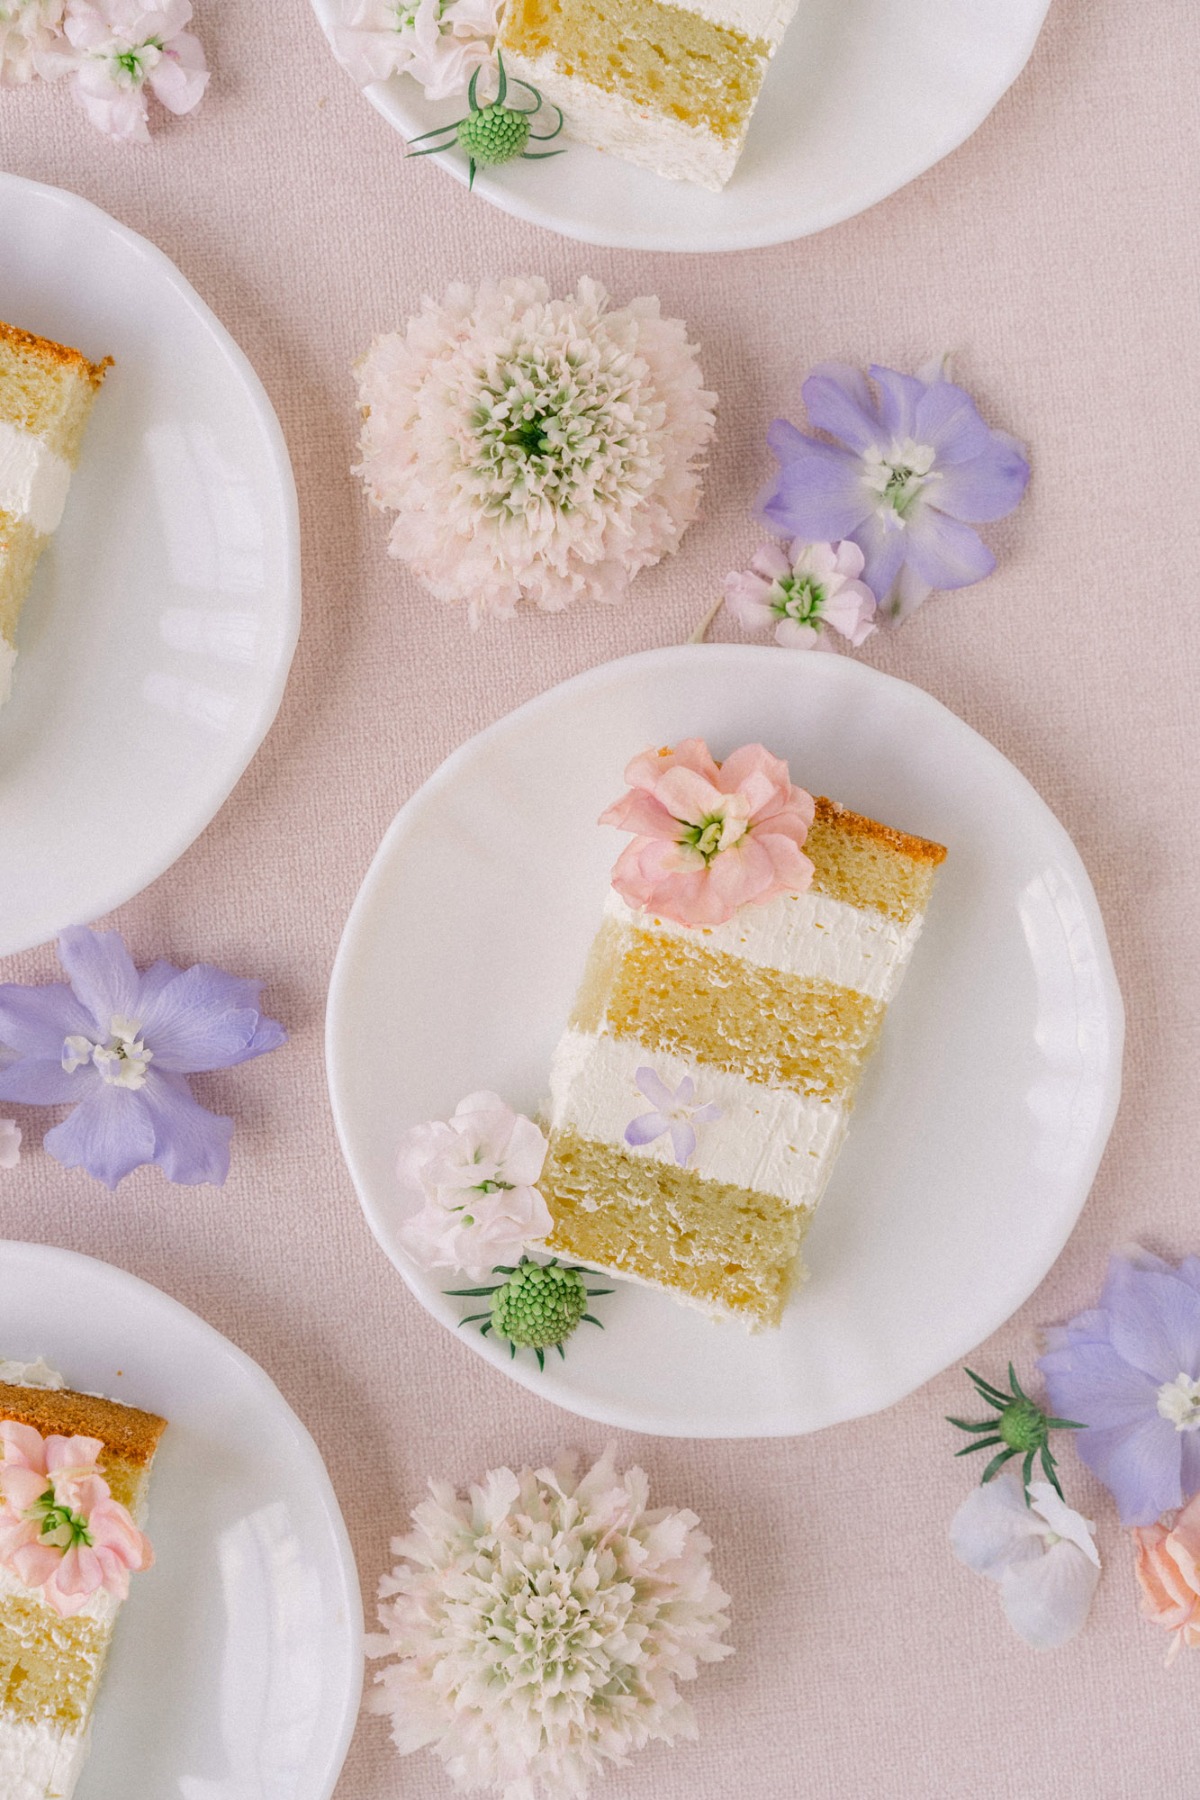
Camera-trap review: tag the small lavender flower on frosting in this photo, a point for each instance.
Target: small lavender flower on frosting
(1130, 1370)
(800, 591)
(538, 1628)
(119, 1043)
(533, 448)
(676, 1113)
(476, 1173)
(913, 468)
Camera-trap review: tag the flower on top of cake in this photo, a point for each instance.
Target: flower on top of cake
(676, 1112)
(440, 43)
(710, 837)
(61, 1531)
(533, 448)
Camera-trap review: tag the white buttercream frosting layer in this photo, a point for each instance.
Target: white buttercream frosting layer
(767, 1139)
(39, 1761)
(808, 935)
(33, 478)
(37, 1374)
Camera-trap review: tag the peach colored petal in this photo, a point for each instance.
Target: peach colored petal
(23, 1446)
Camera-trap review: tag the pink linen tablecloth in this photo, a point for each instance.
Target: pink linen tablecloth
(1057, 253)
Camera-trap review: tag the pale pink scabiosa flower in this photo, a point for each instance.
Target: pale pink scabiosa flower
(10, 1143)
(476, 1173)
(676, 1114)
(541, 1626)
(440, 43)
(1168, 1570)
(28, 30)
(709, 837)
(121, 48)
(61, 1531)
(802, 590)
(532, 448)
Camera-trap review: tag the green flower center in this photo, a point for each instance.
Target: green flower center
(900, 476)
(1023, 1426)
(493, 135)
(538, 1306)
(57, 1524)
(798, 597)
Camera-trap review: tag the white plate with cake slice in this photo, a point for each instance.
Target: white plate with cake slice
(158, 633)
(237, 1661)
(979, 1124)
(861, 97)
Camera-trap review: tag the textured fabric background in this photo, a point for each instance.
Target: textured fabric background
(1057, 253)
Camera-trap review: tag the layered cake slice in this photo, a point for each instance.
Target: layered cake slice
(732, 997)
(671, 87)
(73, 1484)
(46, 394)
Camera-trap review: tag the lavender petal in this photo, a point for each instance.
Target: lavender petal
(1140, 1467)
(884, 546)
(683, 1142)
(899, 396)
(646, 1128)
(819, 494)
(651, 1084)
(200, 1021)
(839, 401)
(108, 1134)
(101, 971)
(35, 1020)
(42, 1081)
(987, 487)
(1154, 1321)
(944, 552)
(947, 419)
(1090, 1383)
(191, 1144)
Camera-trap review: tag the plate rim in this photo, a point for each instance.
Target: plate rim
(629, 1418)
(118, 893)
(513, 201)
(318, 1475)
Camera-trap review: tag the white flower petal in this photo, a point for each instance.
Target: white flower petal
(994, 1529)
(1063, 1521)
(1048, 1600)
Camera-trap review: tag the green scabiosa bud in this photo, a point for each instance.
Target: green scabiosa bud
(536, 1307)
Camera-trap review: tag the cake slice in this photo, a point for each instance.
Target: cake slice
(51, 1664)
(758, 1028)
(46, 394)
(669, 86)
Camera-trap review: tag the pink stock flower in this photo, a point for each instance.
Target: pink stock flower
(477, 1173)
(1168, 1569)
(710, 837)
(440, 43)
(60, 1528)
(802, 590)
(118, 49)
(28, 29)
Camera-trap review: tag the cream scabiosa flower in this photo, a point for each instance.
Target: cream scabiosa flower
(532, 448)
(540, 1627)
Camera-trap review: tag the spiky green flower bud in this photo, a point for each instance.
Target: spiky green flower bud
(495, 134)
(538, 1306)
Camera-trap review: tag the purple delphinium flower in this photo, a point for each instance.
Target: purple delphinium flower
(675, 1112)
(1130, 1372)
(120, 1043)
(913, 469)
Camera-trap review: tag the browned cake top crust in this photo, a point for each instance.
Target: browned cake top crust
(832, 812)
(124, 1431)
(52, 352)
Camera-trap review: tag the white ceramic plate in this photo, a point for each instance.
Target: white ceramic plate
(863, 96)
(237, 1665)
(981, 1119)
(157, 639)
